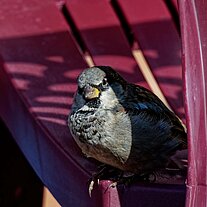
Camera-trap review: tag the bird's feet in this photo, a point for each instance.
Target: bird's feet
(105, 172)
(118, 177)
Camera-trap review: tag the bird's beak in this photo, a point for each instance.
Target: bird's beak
(91, 92)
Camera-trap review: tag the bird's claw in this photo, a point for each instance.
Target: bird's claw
(113, 185)
(91, 185)
(90, 188)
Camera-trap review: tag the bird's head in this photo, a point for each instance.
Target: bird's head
(100, 84)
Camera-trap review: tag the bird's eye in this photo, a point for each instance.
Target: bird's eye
(104, 82)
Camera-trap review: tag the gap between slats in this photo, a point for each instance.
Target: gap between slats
(173, 9)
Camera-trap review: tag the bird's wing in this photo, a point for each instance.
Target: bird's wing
(143, 104)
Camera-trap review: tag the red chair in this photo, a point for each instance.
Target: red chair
(44, 46)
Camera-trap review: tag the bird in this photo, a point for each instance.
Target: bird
(124, 125)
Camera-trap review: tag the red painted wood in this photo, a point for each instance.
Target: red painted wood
(194, 39)
(139, 195)
(103, 36)
(153, 28)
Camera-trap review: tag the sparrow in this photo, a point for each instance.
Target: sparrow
(124, 125)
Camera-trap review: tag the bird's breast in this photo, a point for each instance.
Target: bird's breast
(103, 135)
(85, 127)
